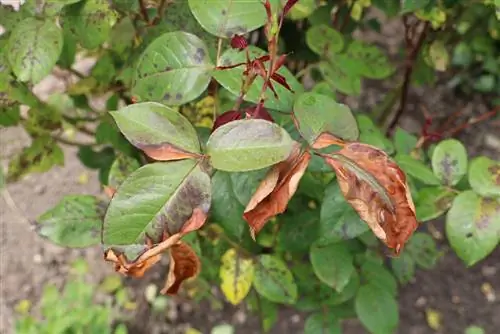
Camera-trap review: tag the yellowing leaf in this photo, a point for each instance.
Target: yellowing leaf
(236, 275)
(433, 318)
(192, 331)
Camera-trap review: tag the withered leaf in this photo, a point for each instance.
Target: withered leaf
(377, 189)
(275, 191)
(184, 264)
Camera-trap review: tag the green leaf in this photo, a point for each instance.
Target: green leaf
(324, 40)
(101, 160)
(339, 79)
(404, 142)
(377, 275)
(439, 56)
(33, 49)
(317, 114)
(484, 176)
(298, 232)
(473, 226)
(322, 323)
(332, 264)
(246, 183)
(10, 116)
(230, 79)
(225, 18)
(156, 129)
(74, 222)
(338, 220)
(432, 202)
(155, 198)
(248, 144)
(89, 21)
(474, 330)
(174, 69)
(449, 161)
(121, 168)
(377, 309)
(423, 249)
(403, 267)
(226, 209)
(370, 134)
(367, 60)
(274, 281)
(122, 37)
(236, 274)
(416, 169)
(408, 6)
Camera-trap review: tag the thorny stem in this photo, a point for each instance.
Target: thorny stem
(472, 121)
(413, 49)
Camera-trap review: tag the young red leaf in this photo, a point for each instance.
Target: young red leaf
(275, 191)
(239, 42)
(224, 118)
(377, 189)
(281, 80)
(258, 112)
(184, 264)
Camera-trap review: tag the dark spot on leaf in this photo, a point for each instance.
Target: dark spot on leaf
(223, 12)
(226, 62)
(168, 68)
(469, 235)
(166, 96)
(178, 96)
(199, 55)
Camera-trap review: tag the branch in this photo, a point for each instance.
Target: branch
(411, 57)
(144, 11)
(159, 14)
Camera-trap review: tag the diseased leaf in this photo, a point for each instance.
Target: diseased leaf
(377, 189)
(226, 209)
(377, 309)
(324, 40)
(174, 69)
(74, 222)
(333, 264)
(248, 144)
(473, 226)
(158, 130)
(339, 221)
(432, 202)
(245, 184)
(339, 79)
(121, 168)
(319, 116)
(230, 79)
(156, 202)
(276, 190)
(423, 250)
(33, 49)
(90, 21)
(449, 161)
(322, 323)
(367, 60)
(184, 264)
(274, 281)
(236, 274)
(484, 176)
(403, 267)
(417, 169)
(226, 18)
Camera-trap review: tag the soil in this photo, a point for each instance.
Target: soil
(27, 262)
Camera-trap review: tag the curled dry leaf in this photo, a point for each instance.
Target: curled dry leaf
(184, 264)
(377, 189)
(183, 261)
(276, 190)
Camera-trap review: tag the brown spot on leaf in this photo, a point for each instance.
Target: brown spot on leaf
(184, 264)
(165, 152)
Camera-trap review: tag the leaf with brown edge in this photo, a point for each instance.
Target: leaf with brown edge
(184, 264)
(275, 191)
(377, 189)
(159, 131)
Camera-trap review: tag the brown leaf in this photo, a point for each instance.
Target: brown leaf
(377, 189)
(166, 152)
(275, 191)
(184, 264)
